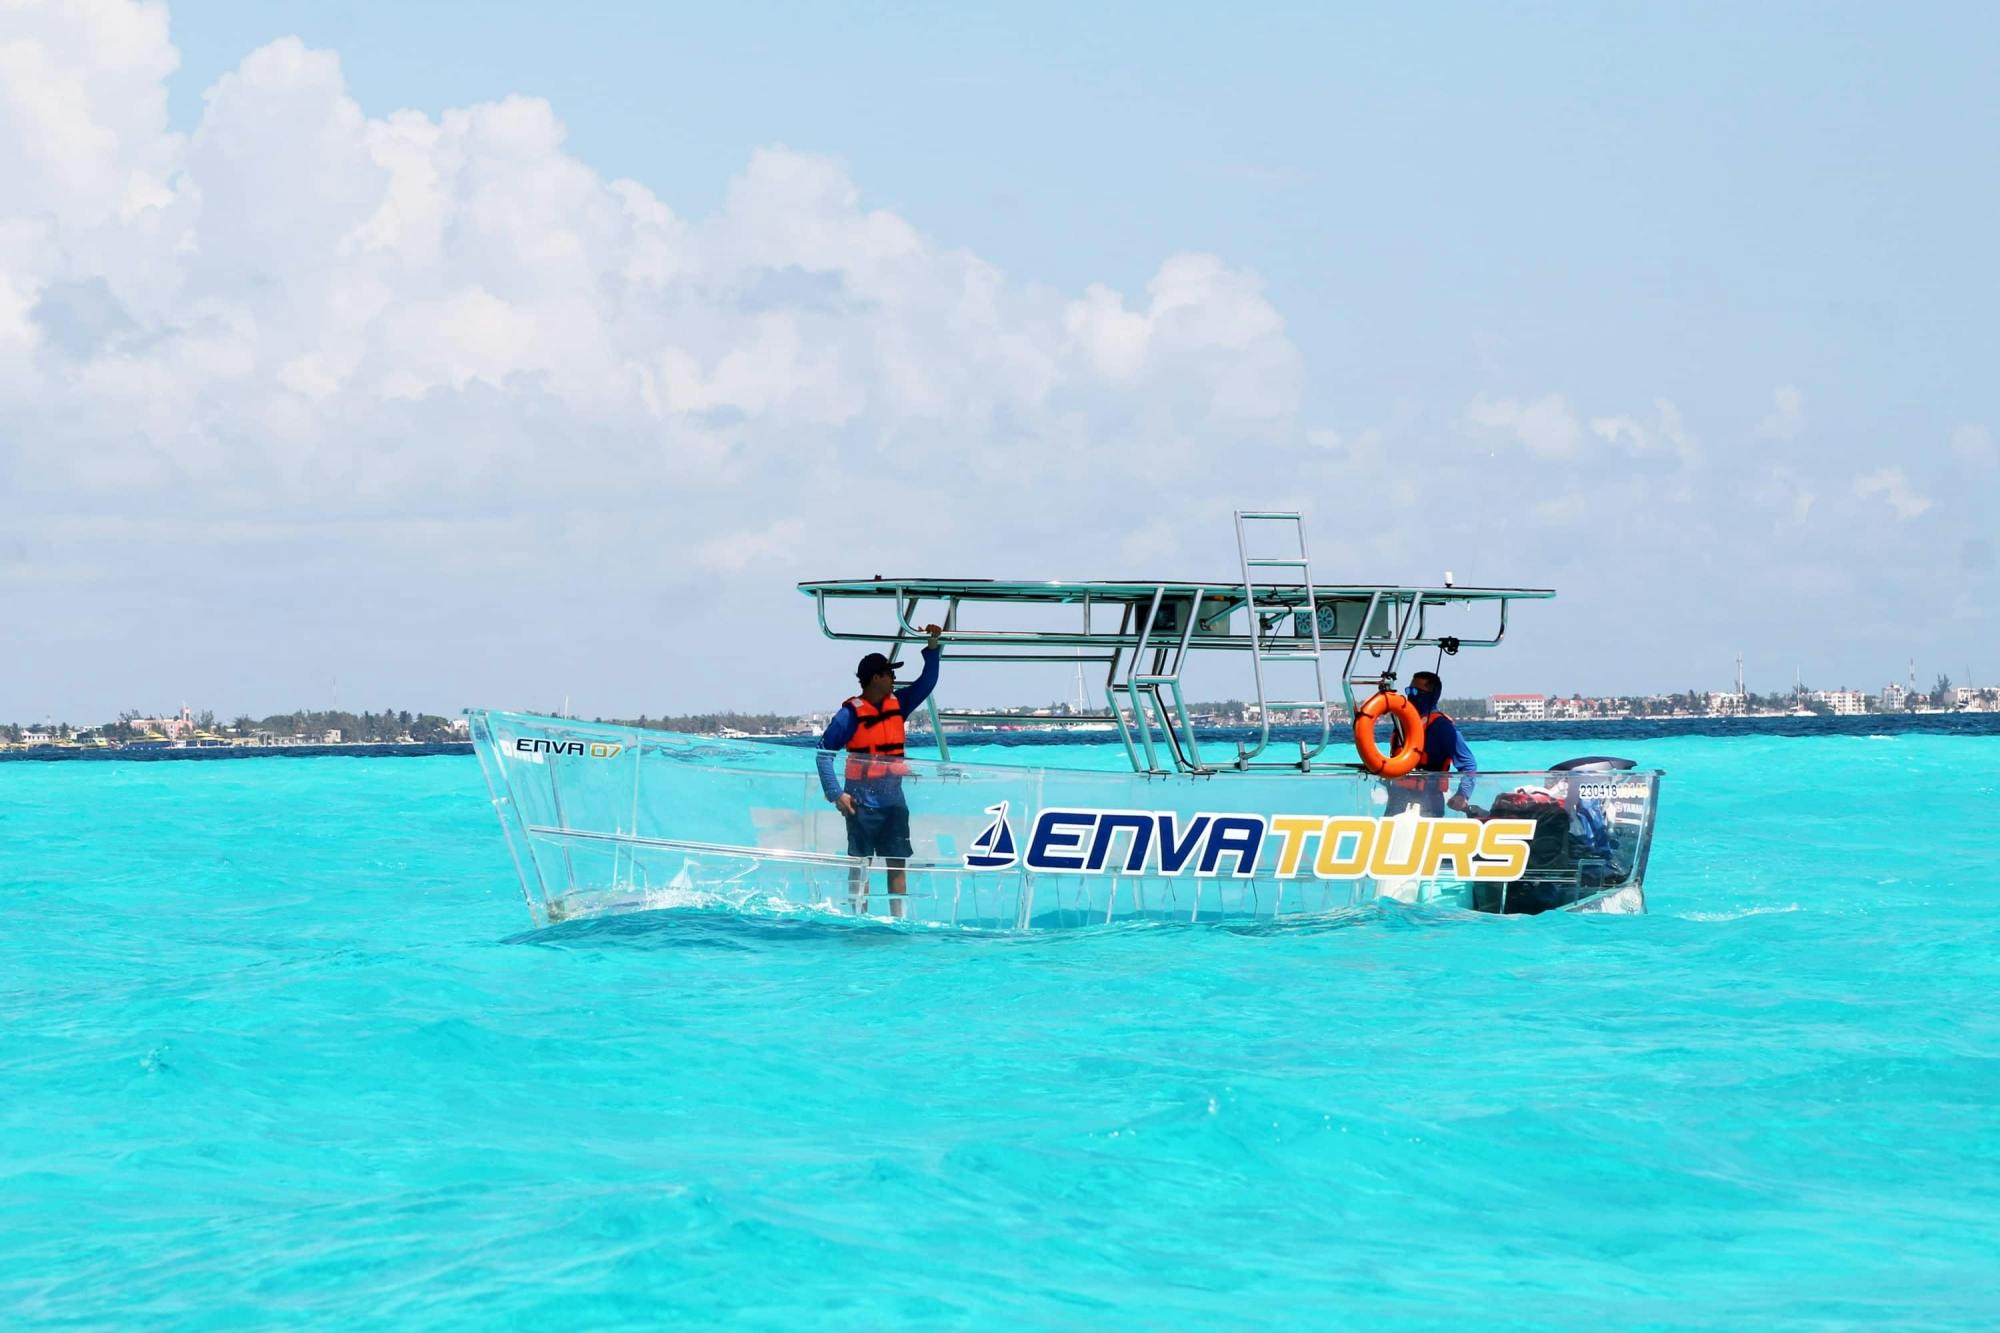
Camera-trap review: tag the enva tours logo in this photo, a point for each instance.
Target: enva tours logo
(542, 745)
(1233, 845)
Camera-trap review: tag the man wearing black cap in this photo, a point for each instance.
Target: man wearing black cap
(870, 728)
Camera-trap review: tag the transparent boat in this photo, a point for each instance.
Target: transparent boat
(1284, 824)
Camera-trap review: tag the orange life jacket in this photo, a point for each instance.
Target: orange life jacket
(1439, 745)
(1437, 749)
(875, 750)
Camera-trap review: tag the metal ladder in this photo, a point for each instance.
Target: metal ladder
(1157, 682)
(1260, 650)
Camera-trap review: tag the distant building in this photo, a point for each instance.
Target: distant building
(175, 728)
(1976, 698)
(1894, 698)
(1844, 703)
(332, 736)
(1725, 703)
(461, 727)
(1577, 707)
(1517, 707)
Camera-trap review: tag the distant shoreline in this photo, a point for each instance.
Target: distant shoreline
(1609, 729)
(168, 753)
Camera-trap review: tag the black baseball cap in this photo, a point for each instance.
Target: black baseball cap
(874, 665)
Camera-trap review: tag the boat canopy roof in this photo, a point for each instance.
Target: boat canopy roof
(1288, 614)
(1142, 632)
(1075, 592)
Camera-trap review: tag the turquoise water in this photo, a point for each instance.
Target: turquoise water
(276, 1046)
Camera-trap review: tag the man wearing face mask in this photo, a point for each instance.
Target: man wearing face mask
(1444, 750)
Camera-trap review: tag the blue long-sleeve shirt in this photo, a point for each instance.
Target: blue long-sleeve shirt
(1434, 782)
(1462, 760)
(883, 791)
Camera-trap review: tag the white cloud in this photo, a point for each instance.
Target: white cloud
(1200, 314)
(1665, 433)
(83, 98)
(1787, 416)
(1894, 488)
(1114, 338)
(1550, 429)
(298, 303)
(1545, 427)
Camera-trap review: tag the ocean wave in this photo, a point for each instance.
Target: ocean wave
(1739, 915)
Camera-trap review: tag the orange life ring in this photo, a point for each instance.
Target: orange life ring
(1409, 754)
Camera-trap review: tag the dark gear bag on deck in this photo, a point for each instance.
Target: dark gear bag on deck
(1550, 878)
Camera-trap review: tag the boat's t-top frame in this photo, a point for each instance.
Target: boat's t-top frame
(1274, 612)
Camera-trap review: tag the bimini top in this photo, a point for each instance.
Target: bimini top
(1143, 630)
(1073, 592)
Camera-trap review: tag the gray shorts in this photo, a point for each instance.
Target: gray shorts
(879, 830)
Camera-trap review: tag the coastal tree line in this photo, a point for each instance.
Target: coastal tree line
(389, 725)
(710, 723)
(392, 725)
(385, 726)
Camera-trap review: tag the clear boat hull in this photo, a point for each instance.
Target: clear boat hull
(604, 819)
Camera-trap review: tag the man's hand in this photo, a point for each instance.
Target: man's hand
(1458, 803)
(933, 631)
(846, 804)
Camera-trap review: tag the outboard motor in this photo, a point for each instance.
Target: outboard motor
(1573, 844)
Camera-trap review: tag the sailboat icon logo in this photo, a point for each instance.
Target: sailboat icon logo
(993, 849)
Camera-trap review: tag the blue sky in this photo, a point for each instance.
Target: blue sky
(1688, 312)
